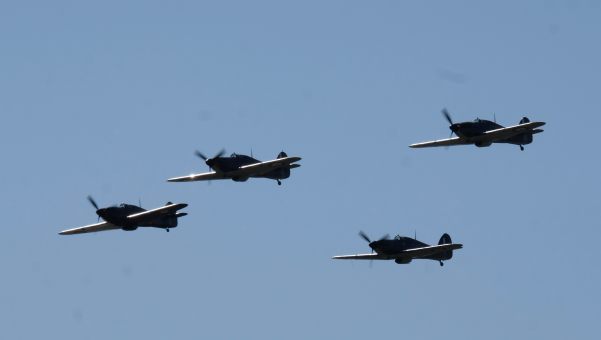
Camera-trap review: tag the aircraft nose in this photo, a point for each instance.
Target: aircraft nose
(455, 127)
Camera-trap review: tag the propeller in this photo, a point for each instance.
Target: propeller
(368, 240)
(446, 114)
(92, 202)
(209, 161)
(364, 236)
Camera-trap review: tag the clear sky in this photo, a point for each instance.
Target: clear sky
(111, 98)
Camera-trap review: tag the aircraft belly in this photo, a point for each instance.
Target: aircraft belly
(162, 222)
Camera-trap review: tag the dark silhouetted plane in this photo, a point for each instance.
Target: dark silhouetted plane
(482, 133)
(240, 168)
(403, 249)
(129, 217)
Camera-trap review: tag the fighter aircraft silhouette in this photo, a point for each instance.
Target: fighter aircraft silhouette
(482, 133)
(130, 217)
(403, 249)
(240, 168)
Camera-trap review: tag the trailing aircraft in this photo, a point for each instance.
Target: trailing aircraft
(129, 217)
(403, 249)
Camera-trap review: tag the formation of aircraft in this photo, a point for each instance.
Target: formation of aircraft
(482, 133)
(403, 249)
(240, 168)
(129, 217)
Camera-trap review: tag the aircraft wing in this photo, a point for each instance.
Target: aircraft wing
(373, 256)
(261, 168)
(158, 212)
(92, 228)
(507, 132)
(207, 176)
(442, 142)
(250, 170)
(414, 253)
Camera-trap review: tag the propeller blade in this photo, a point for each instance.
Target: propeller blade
(199, 154)
(385, 237)
(446, 114)
(92, 202)
(365, 237)
(220, 153)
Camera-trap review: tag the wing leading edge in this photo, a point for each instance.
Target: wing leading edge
(442, 142)
(92, 228)
(207, 176)
(261, 168)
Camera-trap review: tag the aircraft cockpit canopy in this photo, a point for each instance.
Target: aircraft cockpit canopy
(234, 155)
(477, 120)
(398, 237)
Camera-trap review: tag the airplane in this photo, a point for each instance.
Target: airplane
(482, 133)
(240, 168)
(129, 217)
(403, 249)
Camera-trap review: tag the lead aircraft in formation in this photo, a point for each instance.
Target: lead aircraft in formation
(482, 132)
(240, 168)
(129, 217)
(403, 249)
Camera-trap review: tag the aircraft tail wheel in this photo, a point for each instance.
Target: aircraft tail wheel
(279, 182)
(521, 148)
(441, 264)
(167, 229)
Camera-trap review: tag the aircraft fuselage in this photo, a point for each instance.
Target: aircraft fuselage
(481, 126)
(117, 215)
(401, 243)
(235, 161)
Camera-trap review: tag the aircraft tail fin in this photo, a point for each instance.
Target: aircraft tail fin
(445, 239)
(526, 137)
(282, 155)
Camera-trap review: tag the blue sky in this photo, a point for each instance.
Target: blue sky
(112, 98)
